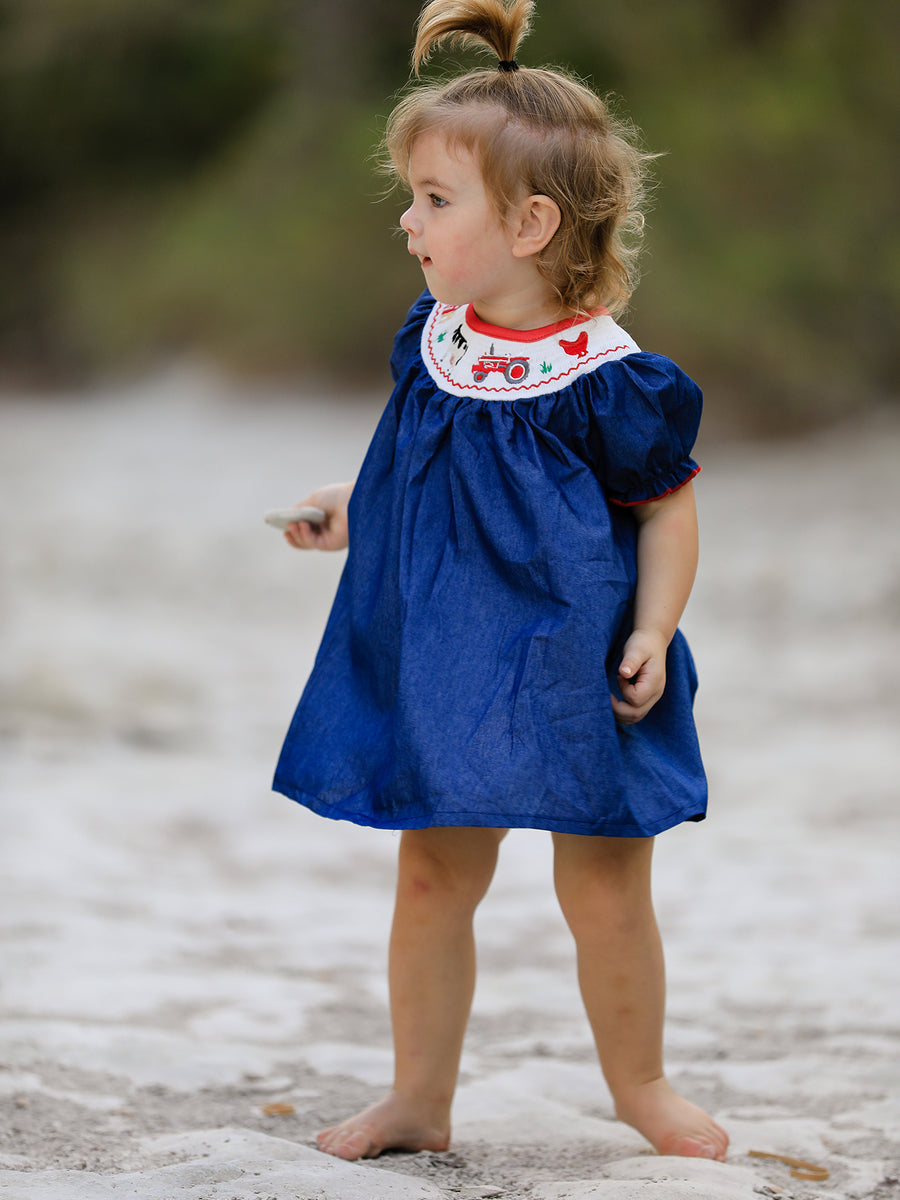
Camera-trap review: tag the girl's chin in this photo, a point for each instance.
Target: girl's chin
(444, 294)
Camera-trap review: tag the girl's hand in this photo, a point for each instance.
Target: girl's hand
(641, 676)
(332, 534)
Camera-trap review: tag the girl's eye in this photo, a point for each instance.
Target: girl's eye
(436, 201)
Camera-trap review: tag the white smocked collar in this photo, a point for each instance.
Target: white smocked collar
(467, 357)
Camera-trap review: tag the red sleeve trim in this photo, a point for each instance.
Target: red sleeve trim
(661, 496)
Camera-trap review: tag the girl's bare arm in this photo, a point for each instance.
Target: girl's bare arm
(667, 563)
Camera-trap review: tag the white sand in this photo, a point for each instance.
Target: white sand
(181, 947)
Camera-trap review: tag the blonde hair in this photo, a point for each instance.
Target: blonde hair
(533, 131)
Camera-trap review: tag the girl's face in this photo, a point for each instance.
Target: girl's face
(454, 230)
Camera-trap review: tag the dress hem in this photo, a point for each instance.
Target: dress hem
(477, 821)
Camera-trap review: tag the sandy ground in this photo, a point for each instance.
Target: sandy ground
(181, 947)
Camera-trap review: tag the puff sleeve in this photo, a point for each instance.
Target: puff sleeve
(408, 339)
(646, 413)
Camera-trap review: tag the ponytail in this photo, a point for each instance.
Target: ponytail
(478, 24)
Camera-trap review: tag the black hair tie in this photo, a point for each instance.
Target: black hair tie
(511, 65)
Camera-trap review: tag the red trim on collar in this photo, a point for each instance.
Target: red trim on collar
(476, 324)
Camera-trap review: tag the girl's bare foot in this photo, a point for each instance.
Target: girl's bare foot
(394, 1123)
(670, 1123)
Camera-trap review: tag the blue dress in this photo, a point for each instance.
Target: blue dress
(465, 672)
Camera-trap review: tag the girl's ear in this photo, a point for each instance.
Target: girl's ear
(537, 219)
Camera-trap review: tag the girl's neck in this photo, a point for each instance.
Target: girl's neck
(529, 309)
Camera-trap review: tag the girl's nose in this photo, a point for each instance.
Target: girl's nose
(408, 222)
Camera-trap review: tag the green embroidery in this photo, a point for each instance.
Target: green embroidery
(545, 368)
(441, 336)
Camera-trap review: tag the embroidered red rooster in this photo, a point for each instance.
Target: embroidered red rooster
(578, 347)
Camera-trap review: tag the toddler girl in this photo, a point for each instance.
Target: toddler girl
(503, 648)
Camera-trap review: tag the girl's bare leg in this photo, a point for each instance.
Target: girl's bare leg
(603, 885)
(442, 876)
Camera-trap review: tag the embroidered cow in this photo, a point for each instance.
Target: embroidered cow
(461, 345)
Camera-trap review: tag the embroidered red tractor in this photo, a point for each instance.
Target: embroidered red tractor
(514, 369)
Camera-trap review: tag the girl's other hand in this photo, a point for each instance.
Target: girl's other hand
(641, 676)
(332, 534)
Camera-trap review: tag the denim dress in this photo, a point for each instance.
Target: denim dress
(465, 672)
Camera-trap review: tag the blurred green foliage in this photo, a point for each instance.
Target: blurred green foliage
(196, 175)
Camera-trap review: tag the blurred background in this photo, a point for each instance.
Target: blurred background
(196, 178)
